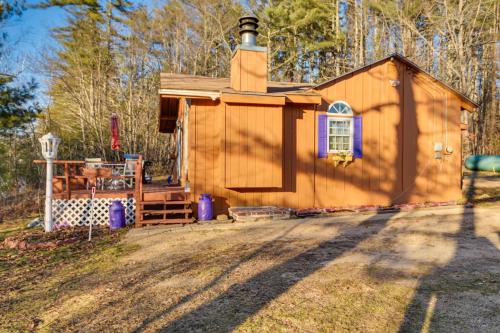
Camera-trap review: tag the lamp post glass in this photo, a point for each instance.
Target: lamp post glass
(49, 143)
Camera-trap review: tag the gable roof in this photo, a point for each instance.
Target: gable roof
(213, 86)
(222, 84)
(467, 103)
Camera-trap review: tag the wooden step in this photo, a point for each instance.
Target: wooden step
(166, 202)
(166, 211)
(167, 221)
(167, 196)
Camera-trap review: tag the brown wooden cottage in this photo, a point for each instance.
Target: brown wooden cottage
(385, 133)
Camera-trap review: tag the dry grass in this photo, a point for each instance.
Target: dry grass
(33, 280)
(428, 270)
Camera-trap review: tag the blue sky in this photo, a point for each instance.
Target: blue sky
(32, 28)
(29, 36)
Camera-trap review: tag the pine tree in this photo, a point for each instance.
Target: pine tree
(16, 100)
(84, 68)
(302, 41)
(18, 110)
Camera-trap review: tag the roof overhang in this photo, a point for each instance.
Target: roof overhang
(468, 105)
(190, 93)
(244, 97)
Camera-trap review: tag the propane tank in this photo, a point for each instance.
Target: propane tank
(205, 209)
(116, 215)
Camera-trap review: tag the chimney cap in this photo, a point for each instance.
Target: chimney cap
(248, 18)
(248, 24)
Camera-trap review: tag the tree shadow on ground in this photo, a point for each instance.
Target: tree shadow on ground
(231, 308)
(461, 285)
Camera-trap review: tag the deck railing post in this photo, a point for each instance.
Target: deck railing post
(68, 180)
(138, 191)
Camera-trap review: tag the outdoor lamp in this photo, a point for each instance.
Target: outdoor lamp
(49, 143)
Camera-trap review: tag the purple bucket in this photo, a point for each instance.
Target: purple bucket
(116, 215)
(205, 209)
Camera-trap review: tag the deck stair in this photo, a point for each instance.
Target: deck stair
(172, 206)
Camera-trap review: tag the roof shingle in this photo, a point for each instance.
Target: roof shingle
(217, 84)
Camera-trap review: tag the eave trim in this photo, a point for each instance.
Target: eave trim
(193, 93)
(253, 99)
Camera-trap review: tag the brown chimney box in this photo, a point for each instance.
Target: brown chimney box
(249, 62)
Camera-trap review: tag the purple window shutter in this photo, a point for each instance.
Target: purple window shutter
(358, 137)
(322, 136)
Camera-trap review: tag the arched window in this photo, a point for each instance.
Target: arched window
(341, 108)
(340, 128)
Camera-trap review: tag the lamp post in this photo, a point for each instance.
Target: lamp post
(49, 143)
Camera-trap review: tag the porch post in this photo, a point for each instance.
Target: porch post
(185, 143)
(138, 192)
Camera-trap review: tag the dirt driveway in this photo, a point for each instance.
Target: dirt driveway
(426, 270)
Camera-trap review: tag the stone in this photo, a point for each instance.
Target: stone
(36, 222)
(222, 217)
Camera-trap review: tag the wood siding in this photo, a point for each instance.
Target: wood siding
(400, 126)
(253, 146)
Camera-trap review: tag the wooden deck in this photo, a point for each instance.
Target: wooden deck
(155, 203)
(149, 191)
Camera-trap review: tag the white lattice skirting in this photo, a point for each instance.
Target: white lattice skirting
(76, 212)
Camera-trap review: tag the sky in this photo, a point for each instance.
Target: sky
(29, 37)
(32, 28)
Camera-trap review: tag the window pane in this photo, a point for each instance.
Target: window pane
(339, 131)
(339, 108)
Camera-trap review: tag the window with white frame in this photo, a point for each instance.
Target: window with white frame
(340, 128)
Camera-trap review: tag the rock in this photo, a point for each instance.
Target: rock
(10, 243)
(36, 222)
(222, 217)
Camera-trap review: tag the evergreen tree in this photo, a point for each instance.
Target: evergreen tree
(84, 67)
(18, 110)
(301, 39)
(16, 100)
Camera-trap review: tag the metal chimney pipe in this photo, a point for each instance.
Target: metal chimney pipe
(248, 30)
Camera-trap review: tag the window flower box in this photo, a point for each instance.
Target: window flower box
(341, 158)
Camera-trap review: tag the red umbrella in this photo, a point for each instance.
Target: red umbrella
(115, 135)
